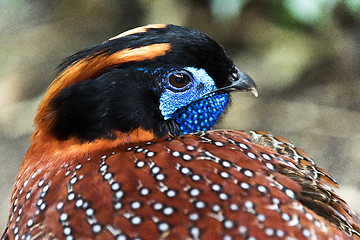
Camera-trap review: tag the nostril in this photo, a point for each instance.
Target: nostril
(234, 75)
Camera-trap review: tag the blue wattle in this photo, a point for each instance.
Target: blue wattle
(202, 114)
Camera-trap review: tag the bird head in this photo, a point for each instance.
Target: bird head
(153, 81)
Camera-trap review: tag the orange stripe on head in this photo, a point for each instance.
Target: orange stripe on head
(91, 67)
(138, 30)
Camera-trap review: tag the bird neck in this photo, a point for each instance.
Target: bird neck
(44, 144)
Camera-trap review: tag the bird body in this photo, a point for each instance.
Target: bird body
(123, 150)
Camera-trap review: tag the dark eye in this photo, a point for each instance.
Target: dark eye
(179, 80)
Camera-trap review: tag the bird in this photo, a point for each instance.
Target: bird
(124, 148)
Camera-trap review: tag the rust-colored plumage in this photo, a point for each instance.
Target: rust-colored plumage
(144, 178)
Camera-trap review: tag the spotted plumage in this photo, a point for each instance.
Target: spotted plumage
(123, 150)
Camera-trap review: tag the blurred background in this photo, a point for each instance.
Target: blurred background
(303, 54)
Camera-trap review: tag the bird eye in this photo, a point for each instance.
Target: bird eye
(179, 80)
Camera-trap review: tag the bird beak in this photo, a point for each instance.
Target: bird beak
(239, 81)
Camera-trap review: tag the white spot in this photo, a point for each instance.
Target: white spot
(170, 193)
(117, 205)
(139, 150)
(249, 205)
(67, 173)
(242, 230)
(155, 170)
(150, 154)
(224, 174)
(28, 195)
(185, 170)
(228, 224)
(168, 210)
(78, 166)
(243, 146)
(191, 148)
(96, 228)
(41, 182)
(30, 222)
(67, 230)
(262, 189)
(227, 237)
(219, 144)
(280, 233)
(225, 164)
(42, 206)
(135, 205)
(121, 237)
(194, 192)
(157, 206)
(223, 196)
(59, 205)
(265, 156)
(244, 185)
(269, 231)
(163, 226)
(115, 186)
(194, 231)
(193, 216)
(140, 164)
(71, 196)
(187, 157)
(46, 188)
(270, 166)
(73, 180)
(136, 220)
(290, 193)
(276, 201)
(261, 217)
(39, 202)
(309, 216)
(285, 216)
(107, 176)
(195, 177)
(216, 208)
(234, 207)
(119, 194)
(160, 177)
(216, 187)
(199, 204)
(89, 212)
(144, 191)
(63, 217)
(79, 203)
(306, 232)
(85, 205)
(248, 173)
(103, 168)
(176, 154)
(251, 155)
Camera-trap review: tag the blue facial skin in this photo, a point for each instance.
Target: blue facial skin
(201, 115)
(192, 107)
